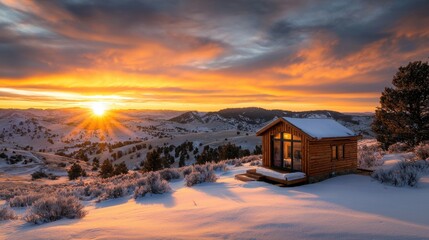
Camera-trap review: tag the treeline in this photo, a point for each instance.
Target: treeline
(227, 151)
(160, 157)
(88, 148)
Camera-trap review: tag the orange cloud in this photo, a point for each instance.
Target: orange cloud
(207, 56)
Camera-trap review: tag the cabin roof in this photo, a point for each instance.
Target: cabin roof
(314, 127)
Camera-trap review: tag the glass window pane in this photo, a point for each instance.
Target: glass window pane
(296, 138)
(277, 136)
(340, 151)
(287, 136)
(297, 156)
(277, 158)
(334, 152)
(287, 155)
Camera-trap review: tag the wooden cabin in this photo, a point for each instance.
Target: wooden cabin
(320, 148)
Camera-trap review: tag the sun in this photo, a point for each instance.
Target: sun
(98, 108)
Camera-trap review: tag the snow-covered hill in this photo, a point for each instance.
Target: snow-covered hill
(345, 207)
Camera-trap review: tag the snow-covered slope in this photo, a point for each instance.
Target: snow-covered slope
(346, 207)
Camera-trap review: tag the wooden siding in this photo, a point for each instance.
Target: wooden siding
(321, 162)
(316, 158)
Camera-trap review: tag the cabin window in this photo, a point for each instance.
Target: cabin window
(277, 158)
(296, 138)
(334, 153)
(297, 163)
(337, 152)
(287, 147)
(341, 151)
(287, 154)
(287, 136)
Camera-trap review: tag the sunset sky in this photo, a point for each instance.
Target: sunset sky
(206, 55)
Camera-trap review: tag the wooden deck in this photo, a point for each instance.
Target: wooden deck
(252, 175)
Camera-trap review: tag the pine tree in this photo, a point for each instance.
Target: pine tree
(106, 169)
(121, 168)
(258, 150)
(153, 161)
(404, 112)
(95, 164)
(182, 161)
(76, 171)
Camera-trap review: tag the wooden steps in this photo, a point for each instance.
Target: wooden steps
(252, 175)
(244, 178)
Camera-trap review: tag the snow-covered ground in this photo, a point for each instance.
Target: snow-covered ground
(344, 207)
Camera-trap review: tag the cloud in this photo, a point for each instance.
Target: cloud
(202, 52)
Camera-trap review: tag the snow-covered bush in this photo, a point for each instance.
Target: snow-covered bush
(88, 192)
(200, 174)
(233, 162)
(112, 191)
(240, 161)
(403, 173)
(369, 156)
(151, 183)
(219, 166)
(6, 213)
(170, 173)
(52, 208)
(256, 163)
(250, 158)
(422, 151)
(398, 147)
(25, 200)
(42, 174)
(186, 170)
(238, 164)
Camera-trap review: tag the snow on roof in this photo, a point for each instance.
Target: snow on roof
(320, 128)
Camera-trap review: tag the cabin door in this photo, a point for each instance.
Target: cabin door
(286, 152)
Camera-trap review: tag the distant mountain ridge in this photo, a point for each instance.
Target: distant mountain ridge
(253, 118)
(254, 115)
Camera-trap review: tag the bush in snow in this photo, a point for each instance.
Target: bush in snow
(151, 183)
(219, 166)
(403, 173)
(250, 158)
(87, 192)
(238, 163)
(52, 208)
(41, 174)
(186, 170)
(170, 173)
(398, 147)
(256, 163)
(112, 191)
(38, 175)
(200, 174)
(422, 151)
(6, 213)
(25, 200)
(369, 156)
